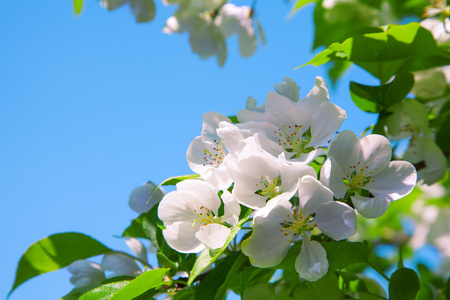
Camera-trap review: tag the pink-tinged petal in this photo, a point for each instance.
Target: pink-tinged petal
(213, 236)
(211, 123)
(332, 176)
(376, 152)
(143, 198)
(181, 237)
(267, 246)
(345, 149)
(311, 264)
(371, 207)
(336, 220)
(119, 265)
(325, 122)
(395, 181)
(311, 194)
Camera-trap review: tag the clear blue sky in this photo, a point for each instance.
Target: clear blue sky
(93, 105)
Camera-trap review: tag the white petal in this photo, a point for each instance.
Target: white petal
(85, 272)
(311, 264)
(211, 123)
(332, 176)
(213, 236)
(325, 122)
(138, 249)
(267, 246)
(142, 198)
(288, 88)
(307, 158)
(291, 172)
(395, 181)
(120, 265)
(376, 152)
(247, 40)
(336, 219)
(232, 209)
(345, 149)
(282, 111)
(311, 194)
(204, 155)
(181, 237)
(371, 207)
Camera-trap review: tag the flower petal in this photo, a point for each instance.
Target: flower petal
(331, 175)
(138, 249)
(288, 88)
(325, 122)
(336, 219)
(213, 236)
(345, 149)
(311, 264)
(119, 265)
(396, 180)
(267, 246)
(143, 198)
(371, 207)
(311, 194)
(376, 152)
(181, 237)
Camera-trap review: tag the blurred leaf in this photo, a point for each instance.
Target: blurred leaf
(253, 275)
(375, 98)
(215, 285)
(400, 48)
(113, 4)
(144, 282)
(143, 10)
(145, 226)
(105, 291)
(343, 254)
(55, 252)
(326, 288)
(338, 68)
(261, 35)
(404, 285)
(77, 6)
(264, 291)
(205, 258)
(447, 289)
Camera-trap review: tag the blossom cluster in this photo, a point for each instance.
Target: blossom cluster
(264, 162)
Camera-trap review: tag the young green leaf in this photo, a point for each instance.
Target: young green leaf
(77, 6)
(55, 252)
(404, 285)
(104, 292)
(343, 254)
(143, 10)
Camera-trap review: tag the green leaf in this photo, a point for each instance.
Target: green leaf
(105, 291)
(253, 275)
(145, 226)
(326, 288)
(143, 10)
(174, 180)
(136, 228)
(215, 285)
(55, 252)
(447, 289)
(400, 48)
(375, 98)
(343, 254)
(144, 282)
(77, 6)
(404, 285)
(205, 258)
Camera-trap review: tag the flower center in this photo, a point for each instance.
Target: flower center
(215, 157)
(205, 216)
(292, 139)
(268, 187)
(296, 224)
(358, 176)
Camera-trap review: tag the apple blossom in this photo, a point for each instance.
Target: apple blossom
(362, 170)
(275, 226)
(143, 198)
(85, 272)
(191, 217)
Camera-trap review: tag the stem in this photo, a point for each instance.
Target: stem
(378, 270)
(247, 228)
(133, 257)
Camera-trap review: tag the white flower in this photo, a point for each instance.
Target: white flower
(275, 225)
(206, 153)
(234, 19)
(363, 168)
(191, 217)
(85, 272)
(259, 176)
(439, 29)
(300, 128)
(143, 198)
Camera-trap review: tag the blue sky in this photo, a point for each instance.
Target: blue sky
(92, 106)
